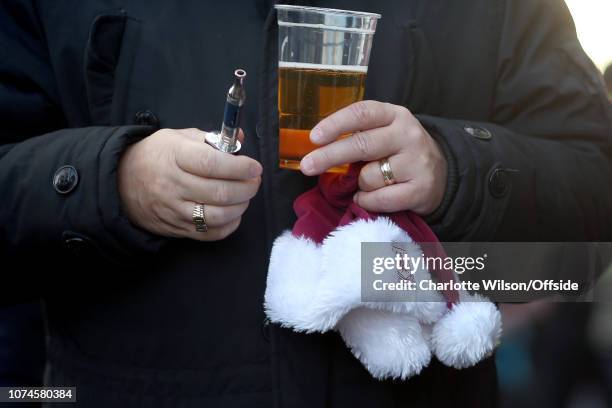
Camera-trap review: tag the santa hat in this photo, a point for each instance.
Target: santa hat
(314, 285)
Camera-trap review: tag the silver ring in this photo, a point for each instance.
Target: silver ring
(199, 219)
(385, 169)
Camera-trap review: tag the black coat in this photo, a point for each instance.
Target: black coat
(136, 320)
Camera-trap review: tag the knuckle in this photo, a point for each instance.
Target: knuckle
(402, 110)
(175, 155)
(208, 163)
(429, 163)
(221, 193)
(412, 133)
(361, 111)
(321, 157)
(191, 134)
(364, 180)
(362, 143)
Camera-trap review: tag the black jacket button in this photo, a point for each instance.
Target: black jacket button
(77, 246)
(478, 132)
(499, 185)
(65, 179)
(146, 118)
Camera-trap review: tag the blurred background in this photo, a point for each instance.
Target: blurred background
(552, 355)
(560, 354)
(593, 20)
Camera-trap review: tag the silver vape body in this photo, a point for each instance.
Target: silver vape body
(227, 140)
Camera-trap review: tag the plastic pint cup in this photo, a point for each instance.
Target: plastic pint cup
(322, 66)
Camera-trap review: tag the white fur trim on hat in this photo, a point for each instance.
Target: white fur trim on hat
(467, 333)
(293, 278)
(340, 288)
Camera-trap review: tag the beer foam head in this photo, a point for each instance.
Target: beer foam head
(323, 67)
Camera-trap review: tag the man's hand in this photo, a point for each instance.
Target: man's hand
(163, 176)
(382, 130)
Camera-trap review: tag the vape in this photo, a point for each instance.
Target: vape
(227, 140)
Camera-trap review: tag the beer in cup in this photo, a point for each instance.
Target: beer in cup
(323, 63)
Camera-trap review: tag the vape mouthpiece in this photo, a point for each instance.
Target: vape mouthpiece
(227, 141)
(239, 76)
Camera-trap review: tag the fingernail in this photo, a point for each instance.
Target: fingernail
(307, 165)
(316, 135)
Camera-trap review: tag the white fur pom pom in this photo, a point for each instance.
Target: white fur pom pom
(468, 333)
(389, 345)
